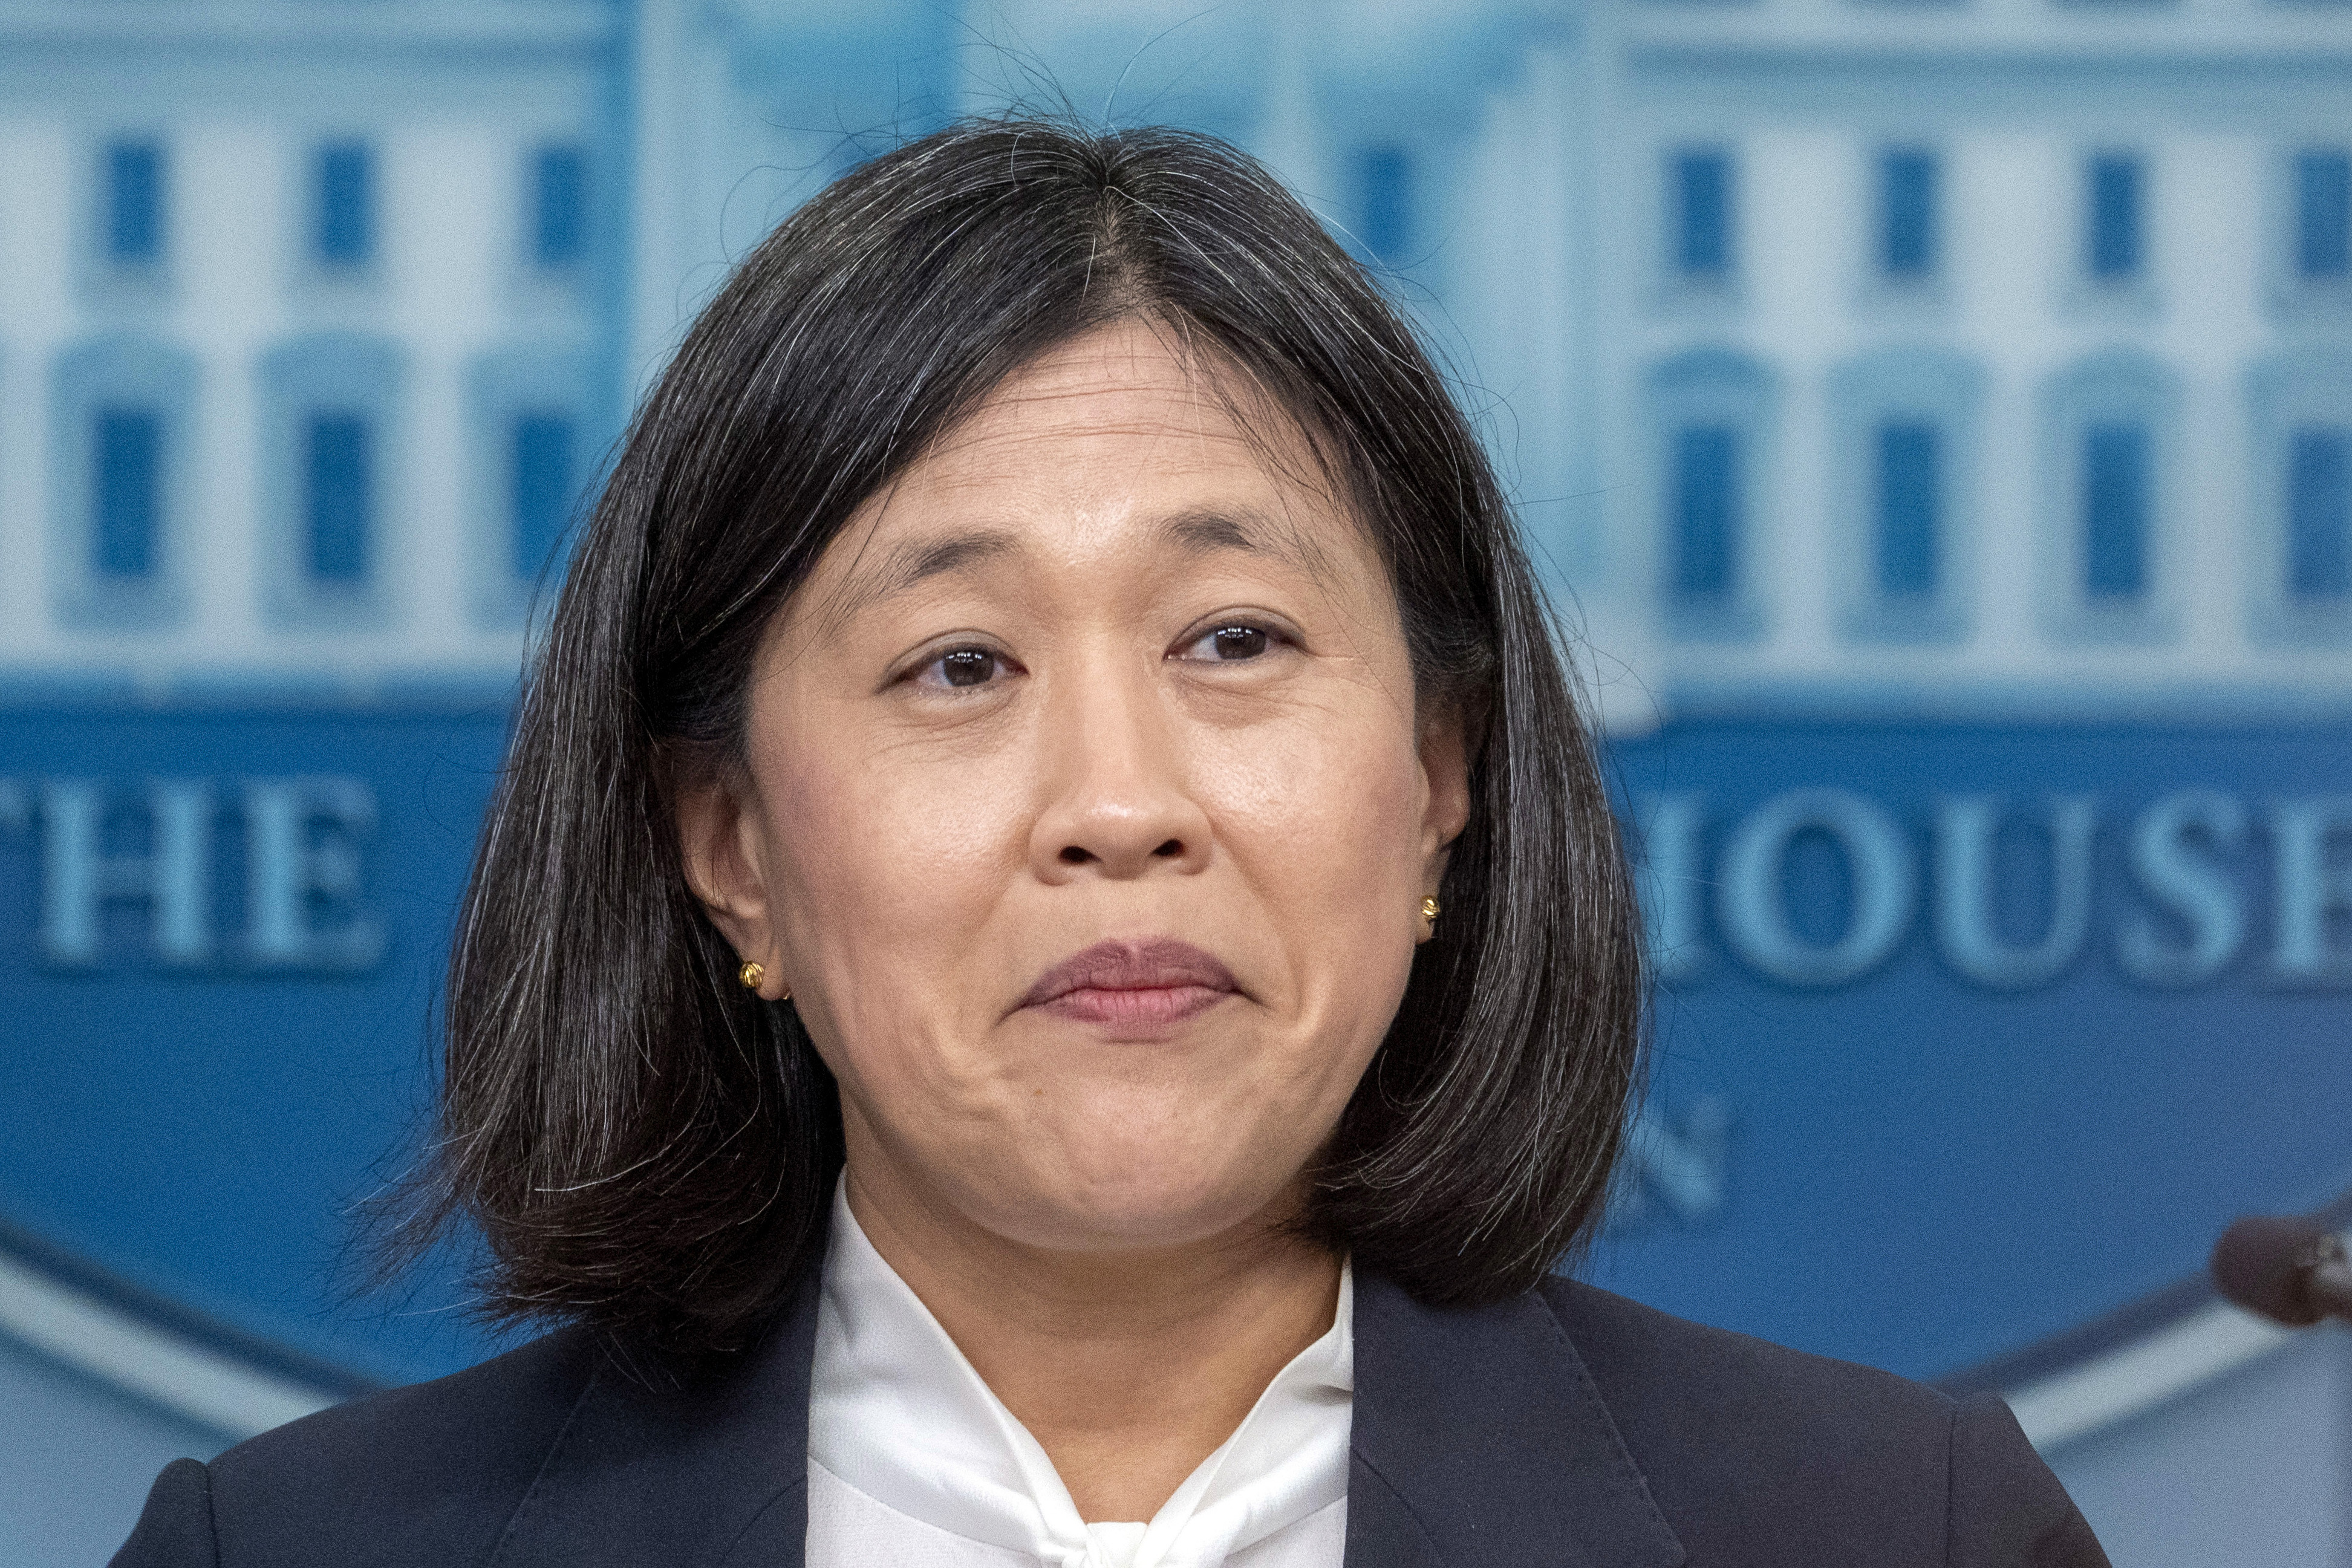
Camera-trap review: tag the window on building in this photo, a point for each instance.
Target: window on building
(559, 232)
(337, 495)
(329, 430)
(119, 403)
(1703, 214)
(1710, 412)
(2323, 214)
(2106, 575)
(2115, 218)
(1904, 425)
(2319, 515)
(529, 451)
(2114, 510)
(1907, 227)
(1909, 509)
(540, 497)
(126, 491)
(1384, 201)
(134, 202)
(1703, 493)
(343, 216)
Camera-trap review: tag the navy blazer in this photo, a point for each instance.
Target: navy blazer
(1567, 1427)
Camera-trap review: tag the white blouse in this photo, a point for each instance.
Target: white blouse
(914, 1463)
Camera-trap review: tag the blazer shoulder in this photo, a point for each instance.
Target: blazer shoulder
(1743, 1441)
(429, 1473)
(1635, 1353)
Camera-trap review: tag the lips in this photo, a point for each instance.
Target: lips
(1146, 985)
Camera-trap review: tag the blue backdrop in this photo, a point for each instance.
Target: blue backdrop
(1923, 1167)
(205, 1128)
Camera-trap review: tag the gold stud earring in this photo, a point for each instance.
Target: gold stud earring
(750, 974)
(1429, 910)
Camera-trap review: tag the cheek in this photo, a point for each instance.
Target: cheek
(1323, 826)
(885, 876)
(876, 846)
(1323, 815)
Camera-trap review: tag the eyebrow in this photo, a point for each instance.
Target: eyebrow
(1202, 532)
(910, 564)
(1199, 532)
(914, 563)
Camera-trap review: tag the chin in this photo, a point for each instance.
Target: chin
(1130, 1197)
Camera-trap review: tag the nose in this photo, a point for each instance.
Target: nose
(1116, 803)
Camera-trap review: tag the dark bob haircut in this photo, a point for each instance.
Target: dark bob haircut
(647, 1148)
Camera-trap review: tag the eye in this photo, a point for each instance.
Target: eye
(962, 667)
(1228, 643)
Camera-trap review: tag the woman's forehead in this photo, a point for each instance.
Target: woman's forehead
(1123, 439)
(1132, 387)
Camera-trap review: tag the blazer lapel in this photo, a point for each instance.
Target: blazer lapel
(696, 1474)
(1479, 1440)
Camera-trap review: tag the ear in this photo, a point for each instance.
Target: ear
(721, 844)
(1446, 766)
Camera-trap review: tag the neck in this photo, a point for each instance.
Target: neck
(1128, 1367)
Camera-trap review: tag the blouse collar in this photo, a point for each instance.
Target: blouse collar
(897, 1412)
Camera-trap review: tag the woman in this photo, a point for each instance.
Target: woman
(1051, 976)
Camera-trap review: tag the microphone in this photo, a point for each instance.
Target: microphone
(2291, 1271)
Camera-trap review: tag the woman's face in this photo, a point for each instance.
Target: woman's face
(1087, 816)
